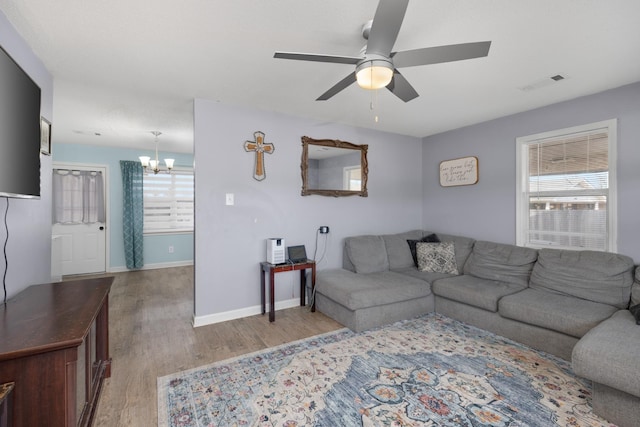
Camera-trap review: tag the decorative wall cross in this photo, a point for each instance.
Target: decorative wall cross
(258, 145)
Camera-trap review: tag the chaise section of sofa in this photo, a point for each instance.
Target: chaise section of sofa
(379, 283)
(363, 301)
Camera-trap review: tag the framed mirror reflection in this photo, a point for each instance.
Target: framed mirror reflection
(335, 168)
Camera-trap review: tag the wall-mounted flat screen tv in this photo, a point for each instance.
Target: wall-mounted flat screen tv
(19, 131)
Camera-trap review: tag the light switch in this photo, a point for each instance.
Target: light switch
(229, 199)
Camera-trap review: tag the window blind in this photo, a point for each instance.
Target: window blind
(568, 190)
(168, 202)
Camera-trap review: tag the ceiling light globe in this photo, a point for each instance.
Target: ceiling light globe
(374, 77)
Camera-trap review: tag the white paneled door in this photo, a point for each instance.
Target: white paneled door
(79, 219)
(82, 250)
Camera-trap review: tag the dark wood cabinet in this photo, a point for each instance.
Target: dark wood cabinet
(6, 405)
(54, 347)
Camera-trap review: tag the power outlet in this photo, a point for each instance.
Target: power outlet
(324, 229)
(170, 249)
(229, 199)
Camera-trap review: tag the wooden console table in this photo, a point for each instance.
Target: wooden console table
(279, 268)
(54, 347)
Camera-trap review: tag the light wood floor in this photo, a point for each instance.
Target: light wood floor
(151, 335)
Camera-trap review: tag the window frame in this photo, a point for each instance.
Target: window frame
(346, 177)
(166, 231)
(522, 178)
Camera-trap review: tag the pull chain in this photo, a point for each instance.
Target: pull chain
(373, 104)
(374, 97)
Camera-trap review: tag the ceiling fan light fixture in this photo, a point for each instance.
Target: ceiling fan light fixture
(377, 63)
(374, 74)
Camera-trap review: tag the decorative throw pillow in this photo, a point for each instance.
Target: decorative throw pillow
(437, 257)
(431, 238)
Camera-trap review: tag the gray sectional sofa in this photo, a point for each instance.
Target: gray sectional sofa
(573, 304)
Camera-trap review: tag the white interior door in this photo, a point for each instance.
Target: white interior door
(83, 249)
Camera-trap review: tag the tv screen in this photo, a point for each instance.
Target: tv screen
(19, 131)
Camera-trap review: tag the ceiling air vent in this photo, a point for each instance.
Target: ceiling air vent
(547, 81)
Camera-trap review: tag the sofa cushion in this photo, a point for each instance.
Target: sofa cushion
(608, 354)
(561, 313)
(356, 291)
(481, 293)
(501, 262)
(431, 238)
(436, 257)
(601, 277)
(367, 253)
(398, 252)
(463, 246)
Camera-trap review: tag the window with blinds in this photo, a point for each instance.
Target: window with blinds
(168, 202)
(566, 186)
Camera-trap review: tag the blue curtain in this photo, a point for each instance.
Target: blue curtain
(132, 213)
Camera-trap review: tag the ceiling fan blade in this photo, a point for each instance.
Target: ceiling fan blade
(337, 59)
(440, 54)
(342, 84)
(386, 25)
(400, 87)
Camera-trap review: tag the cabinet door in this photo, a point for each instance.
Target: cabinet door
(94, 368)
(94, 363)
(81, 380)
(88, 378)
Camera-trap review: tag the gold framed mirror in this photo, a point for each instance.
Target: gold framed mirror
(334, 168)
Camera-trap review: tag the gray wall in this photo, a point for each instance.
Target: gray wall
(230, 241)
(487, 210)
(29, 221)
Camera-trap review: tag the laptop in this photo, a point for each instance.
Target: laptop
(296, 254)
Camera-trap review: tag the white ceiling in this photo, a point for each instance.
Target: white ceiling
(123, 68)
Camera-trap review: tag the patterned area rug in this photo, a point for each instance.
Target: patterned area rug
(429, 371)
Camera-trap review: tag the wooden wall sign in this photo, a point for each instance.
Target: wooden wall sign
(259, 147)
(462, 171)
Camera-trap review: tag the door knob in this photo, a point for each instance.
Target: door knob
(101, 228)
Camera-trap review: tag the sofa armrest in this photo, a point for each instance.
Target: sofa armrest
(608, 354)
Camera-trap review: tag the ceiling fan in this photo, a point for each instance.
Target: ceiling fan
(377, 66)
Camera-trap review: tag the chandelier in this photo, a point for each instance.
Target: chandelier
(154, 165)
